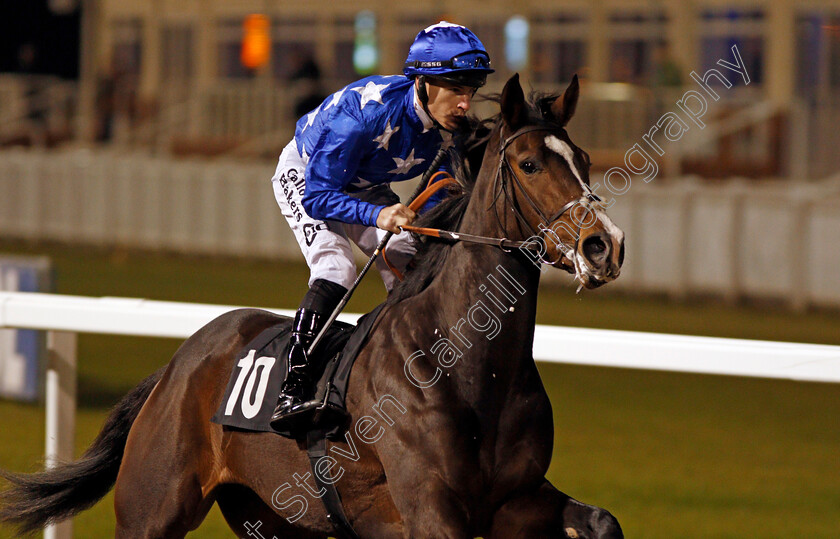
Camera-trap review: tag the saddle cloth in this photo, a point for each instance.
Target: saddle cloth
(260, 370)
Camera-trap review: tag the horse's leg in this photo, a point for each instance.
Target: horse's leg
(166, 479)
(547, 512)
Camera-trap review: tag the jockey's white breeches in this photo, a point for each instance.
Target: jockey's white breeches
(326, 244)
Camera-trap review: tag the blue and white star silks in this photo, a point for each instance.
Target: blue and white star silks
(336, 97)
(404, 165)
(385, 138)
(370, 92)
(369, 129)
(310, 118)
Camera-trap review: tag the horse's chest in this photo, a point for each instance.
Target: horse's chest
(509, 444)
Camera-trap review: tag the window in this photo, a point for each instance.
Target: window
(559, 48)
(517, 33)
(365, 50)
(723, 29)
(176, 52)
(230, 47)
(293, 54)
(818, 54)
(634, 39)
(127, 46)
(344, 47)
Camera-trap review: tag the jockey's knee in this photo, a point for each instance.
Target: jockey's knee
(336, 269)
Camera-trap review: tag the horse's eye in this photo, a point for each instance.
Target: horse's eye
(528, 167)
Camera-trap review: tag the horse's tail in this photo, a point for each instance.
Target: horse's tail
(35, 500)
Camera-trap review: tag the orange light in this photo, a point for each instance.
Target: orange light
(256, 41)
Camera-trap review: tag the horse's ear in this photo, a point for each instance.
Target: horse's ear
(563, 107)
(514, 111)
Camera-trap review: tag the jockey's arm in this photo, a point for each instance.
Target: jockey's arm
(332, 166)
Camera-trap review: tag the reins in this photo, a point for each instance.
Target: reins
(433, 187)
(505, 244)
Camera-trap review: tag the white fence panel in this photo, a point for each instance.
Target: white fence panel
(151, 180)
(822, 270)
(661, 254)
(766, 243)
(95, 199)
(31, 206)
(684, 236)
(711, 260)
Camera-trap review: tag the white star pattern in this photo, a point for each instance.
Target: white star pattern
(404, 165)
(385, 138)
(310, 118)
(371, 92)
(335, 98)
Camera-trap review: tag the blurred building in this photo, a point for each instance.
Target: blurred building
(169, 73)
(160, 79)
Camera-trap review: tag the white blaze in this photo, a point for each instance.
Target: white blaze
(560, 147)
(563, 149)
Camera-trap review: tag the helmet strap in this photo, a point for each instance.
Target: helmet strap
(424, 101)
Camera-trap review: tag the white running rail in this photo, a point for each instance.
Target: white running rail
(64, 316)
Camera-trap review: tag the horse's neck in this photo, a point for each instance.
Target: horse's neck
(487, 213)
(504, 283)
(488, 293)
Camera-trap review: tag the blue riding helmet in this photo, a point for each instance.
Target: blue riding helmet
(450, 52)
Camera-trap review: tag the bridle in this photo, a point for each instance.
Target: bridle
(502, 185)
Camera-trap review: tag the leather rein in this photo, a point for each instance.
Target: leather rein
(501, 185)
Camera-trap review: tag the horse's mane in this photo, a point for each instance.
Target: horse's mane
(465, 162)
(445, 215)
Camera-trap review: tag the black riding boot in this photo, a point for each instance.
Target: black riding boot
(298, 389)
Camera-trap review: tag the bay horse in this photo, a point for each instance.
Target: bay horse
(451, 432)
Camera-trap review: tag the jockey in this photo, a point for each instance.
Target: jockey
(332, 179)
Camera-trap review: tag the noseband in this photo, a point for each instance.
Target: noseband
(501, 184)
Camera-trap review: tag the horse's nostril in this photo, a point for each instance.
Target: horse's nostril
(594, 248)
(621, 255)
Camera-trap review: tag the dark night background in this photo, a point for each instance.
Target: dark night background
(54, 38)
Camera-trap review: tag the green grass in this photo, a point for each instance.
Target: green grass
(671, 455)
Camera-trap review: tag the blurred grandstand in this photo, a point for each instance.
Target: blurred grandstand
(160, 80)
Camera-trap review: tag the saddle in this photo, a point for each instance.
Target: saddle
(260, 370)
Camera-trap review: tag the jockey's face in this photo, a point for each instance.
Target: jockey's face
(448, 102)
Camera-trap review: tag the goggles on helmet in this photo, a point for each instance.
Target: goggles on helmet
(475, 59)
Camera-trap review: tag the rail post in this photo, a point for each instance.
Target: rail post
(61, 411)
